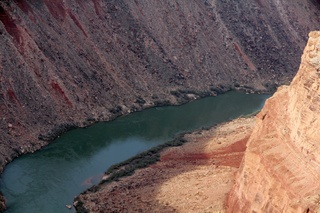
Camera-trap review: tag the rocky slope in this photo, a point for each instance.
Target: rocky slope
(70, 63)
(279, 172)
(281, 168)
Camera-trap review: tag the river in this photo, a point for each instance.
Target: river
(47, 180)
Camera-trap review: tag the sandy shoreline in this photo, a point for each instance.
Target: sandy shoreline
(194, 177)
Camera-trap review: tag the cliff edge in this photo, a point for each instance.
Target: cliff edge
(275, 167)
(280, 171)
(66, 64)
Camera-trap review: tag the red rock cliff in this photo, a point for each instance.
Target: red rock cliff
(281, 168)
(67, 63)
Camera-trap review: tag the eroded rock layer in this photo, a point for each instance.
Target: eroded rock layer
(281, 168)
(194, 177)
(72, 62)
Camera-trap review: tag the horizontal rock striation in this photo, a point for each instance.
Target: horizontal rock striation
(281, 168)
(69, 63)
(65, 64)
(194, 177)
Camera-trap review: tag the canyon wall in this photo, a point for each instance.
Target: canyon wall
(281, 168)
(69, 63)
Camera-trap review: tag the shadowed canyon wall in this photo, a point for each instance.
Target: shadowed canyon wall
(73, 62)
(281, 168)
(279, 172)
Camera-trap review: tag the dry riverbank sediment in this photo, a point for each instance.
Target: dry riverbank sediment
(194, 177)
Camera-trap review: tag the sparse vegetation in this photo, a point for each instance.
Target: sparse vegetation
(79, 206)
(142, 160)
(162, 103)
(2, 203)
(175, 93)
(127, 168)
(116, 110)
(57, 131)
(140, 101)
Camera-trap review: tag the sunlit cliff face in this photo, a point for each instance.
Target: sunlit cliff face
(281, 168)
(70, 63)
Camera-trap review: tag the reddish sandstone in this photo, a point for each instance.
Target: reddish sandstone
(281, 168)
(195, 177)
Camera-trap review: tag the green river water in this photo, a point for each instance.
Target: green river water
(47, 180)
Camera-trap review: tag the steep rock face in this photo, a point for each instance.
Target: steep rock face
(281, 168)
(69, 63)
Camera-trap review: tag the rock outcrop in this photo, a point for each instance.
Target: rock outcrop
(281, 168)
(279, 172)
(69, 63)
